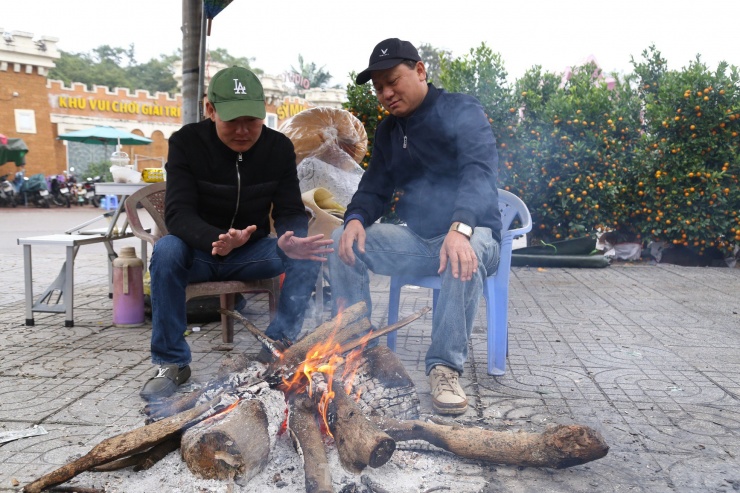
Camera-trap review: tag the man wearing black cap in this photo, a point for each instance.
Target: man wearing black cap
(438, 153)
(224, 175)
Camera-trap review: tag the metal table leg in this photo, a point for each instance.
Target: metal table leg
(28, 281)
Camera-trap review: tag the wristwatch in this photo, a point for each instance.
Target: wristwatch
(462, 228)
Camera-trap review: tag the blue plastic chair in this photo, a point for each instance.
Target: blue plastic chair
(495, 289)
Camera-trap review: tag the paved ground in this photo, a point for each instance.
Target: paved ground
(649, 355)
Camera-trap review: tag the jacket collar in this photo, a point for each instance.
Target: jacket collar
(425, 106)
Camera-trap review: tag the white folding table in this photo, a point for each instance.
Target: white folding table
(59, 296)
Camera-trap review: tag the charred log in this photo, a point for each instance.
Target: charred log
(359, 441)
(308, 442)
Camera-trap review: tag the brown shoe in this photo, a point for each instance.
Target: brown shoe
(447, 395)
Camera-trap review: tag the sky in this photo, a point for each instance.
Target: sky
(339, 35)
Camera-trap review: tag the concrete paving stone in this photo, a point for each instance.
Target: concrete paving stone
(646, 354)
(104, 406)
(23, 398)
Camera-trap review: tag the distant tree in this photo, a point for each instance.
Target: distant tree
(316, 77)
(117, 67)
(108, 54)
(155, 75)
(102, 67)
(71, 67)
(432, 58)
(222, 56)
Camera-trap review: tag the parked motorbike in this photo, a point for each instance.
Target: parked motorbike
(7, 192)
(59, 191)
(33, 190)
(90, 191)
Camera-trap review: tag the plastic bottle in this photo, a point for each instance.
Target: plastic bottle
(128, 289)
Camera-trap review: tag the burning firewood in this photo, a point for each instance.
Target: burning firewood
(558, 447)
(236, 444)
(359, 441)
(308, 442)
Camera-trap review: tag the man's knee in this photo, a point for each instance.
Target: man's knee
(169, 252)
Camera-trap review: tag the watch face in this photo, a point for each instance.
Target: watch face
(464, 229)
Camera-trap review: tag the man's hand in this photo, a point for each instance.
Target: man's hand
(309, 248)
(234, 238)
(456, 248)
(354, 231)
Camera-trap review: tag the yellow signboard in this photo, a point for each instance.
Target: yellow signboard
(131, 107)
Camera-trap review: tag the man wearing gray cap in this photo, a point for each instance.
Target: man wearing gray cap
(226, 176)
(437, 153)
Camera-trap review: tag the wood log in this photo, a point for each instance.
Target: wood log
(74, 489)
(308, 442)
(144, 460)
(359, 442)
(125, 444)
(357, 342)
(351, 323)
(233, 444)
(558, 447)
(384, 386)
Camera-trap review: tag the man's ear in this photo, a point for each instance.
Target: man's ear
(421, 71)
(210, 110)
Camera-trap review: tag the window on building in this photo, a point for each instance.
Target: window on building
(25, 121)
(271, 120)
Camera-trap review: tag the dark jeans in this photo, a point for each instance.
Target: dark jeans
(174, 265)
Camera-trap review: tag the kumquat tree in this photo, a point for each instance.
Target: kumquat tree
(687, 180)
(574, 144)
(648, 156)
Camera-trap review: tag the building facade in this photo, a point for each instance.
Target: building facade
(38, 110)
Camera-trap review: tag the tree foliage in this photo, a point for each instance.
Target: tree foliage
(222, 56)
(315, 76)
(117, 67)
(433, 58)
(687, 183)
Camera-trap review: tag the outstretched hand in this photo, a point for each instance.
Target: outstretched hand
(234, 238)
(309, 248)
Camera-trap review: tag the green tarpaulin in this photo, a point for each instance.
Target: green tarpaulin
(577, 252)
(15, 150)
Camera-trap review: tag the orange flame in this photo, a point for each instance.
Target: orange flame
(325, 357)
(223, 412)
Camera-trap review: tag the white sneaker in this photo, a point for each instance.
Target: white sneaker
(448, 396)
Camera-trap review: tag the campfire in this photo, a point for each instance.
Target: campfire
(324, 391)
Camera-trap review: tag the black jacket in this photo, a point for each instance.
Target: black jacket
(442, 159)
(202, 191)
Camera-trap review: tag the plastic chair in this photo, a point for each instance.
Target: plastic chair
(495, 289)
(152, 199)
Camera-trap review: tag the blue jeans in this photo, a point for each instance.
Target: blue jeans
(392, 250)
(174, 265)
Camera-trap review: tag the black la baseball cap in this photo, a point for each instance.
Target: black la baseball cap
(388, 53)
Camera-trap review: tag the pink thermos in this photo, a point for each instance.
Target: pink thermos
(128, 289)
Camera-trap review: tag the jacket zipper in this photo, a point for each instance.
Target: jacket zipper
(238, 189)
(405, 141)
